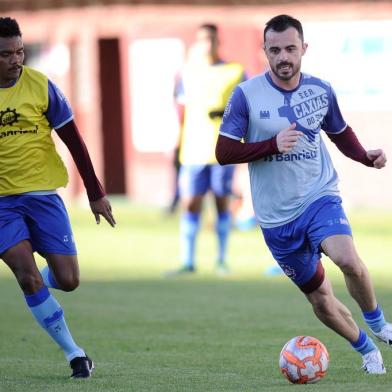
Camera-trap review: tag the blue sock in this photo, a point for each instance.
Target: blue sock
(364, 344)
(49, 314)
(375, 319)
(48, 278)
(189, 227)
(222, 229)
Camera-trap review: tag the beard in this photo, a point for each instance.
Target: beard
(288, 73)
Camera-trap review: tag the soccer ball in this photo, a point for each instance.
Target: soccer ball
(304, 360)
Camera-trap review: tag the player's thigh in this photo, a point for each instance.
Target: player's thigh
(49, 225)
(330, 231)
(221, 179)
(341, 250)
(193, 180)
(20, 259)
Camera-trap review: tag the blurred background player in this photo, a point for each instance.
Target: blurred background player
(175, 199)
(178, 101)
(32, 215)
(202, 93)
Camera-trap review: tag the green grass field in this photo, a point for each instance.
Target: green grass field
(201, 333)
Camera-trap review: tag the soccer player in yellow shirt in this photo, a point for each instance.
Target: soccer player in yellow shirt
(33, 217)
(202, 93)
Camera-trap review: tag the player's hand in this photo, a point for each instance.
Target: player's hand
(287, 138)
(102, 207)
(378, 158)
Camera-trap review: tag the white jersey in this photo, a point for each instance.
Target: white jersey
(283, 185)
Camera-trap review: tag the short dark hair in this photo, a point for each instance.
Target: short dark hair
(210, 27)
(283, 22)
(9, 28)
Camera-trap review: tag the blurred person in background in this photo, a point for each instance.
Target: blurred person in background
(178, 102)
(280, 115)
(202, 93)
(175, 199)
(33, 217)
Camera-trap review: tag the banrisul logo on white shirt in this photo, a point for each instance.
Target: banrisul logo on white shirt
(306, 107)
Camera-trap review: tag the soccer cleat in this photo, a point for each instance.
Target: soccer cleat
(372, 363)
(222, 270)
(180, 272)
(82, 367)
(385, 335)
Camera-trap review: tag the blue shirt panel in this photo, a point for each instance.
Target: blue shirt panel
(59, 111)
(333, 121)
(235, 119)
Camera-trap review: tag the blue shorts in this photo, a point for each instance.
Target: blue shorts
(296, 245)
(199, 179)
(43, 220)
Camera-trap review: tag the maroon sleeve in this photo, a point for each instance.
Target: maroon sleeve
(229, 150)
(348, 143)
(71, 137)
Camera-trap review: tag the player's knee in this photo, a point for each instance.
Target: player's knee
(350, 264)
(29, 283)
(193, 204)
(68, 283)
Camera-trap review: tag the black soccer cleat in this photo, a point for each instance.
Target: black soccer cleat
(182, 271)
(82, 367)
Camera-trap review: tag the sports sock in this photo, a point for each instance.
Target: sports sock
(48, 278)
(49, 314)
(222, 229)
(189, 227)
(375, 319)
(364, 344)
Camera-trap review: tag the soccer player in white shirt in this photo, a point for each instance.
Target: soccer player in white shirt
(279, 115)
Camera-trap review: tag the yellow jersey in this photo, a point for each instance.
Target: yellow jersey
(29, 160)
(207, 88)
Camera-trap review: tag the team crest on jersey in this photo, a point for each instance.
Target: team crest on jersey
(307, 108)
(8, 117)
(265, 114)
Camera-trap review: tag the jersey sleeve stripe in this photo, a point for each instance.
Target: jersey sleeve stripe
(230, 136)
(63, 123)
(340, 131)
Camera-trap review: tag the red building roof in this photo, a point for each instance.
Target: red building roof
(13, 5)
